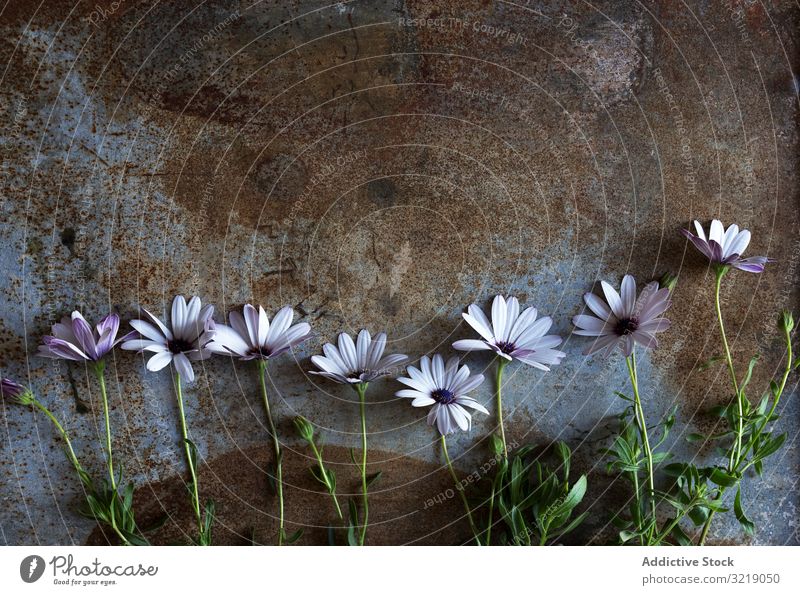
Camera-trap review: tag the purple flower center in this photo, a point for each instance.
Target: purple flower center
(626, 326)
(505, 346)
(443, 396)
(179, 346)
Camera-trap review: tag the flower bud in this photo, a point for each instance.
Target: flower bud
(786, 321)
(668, 280)
(304, 428)
(496, 444)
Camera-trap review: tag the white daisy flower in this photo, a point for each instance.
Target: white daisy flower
(724, 247)
(513, 335)
(445, 387)
(356, 363)
(251, 336)
(191, 330)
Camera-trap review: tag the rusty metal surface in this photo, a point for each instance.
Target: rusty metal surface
(384, 164)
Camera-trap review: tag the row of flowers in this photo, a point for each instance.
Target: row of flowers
(532, 501)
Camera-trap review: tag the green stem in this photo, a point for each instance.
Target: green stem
(189, 458)
(740, 428)
(491, 514)
(262, 368)
(70, 451)
(501, 365)
(99, 368)
(326, 478)
(648, 453)
(460, 490)
(82, 475)
(741, 457)
(361, 389)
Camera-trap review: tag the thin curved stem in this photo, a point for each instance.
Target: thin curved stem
(99, 372)
(640, 420)
(361, 389)
(262, 368)
(729, 360)
(326, 478)
(189, 457)
(460, 490)
(501, 365)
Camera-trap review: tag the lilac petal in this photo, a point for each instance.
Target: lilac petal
(183, 366)
(590, 324)
(602, 342)
(423, 401)
(471, 345)
(164, 330)
(251, 321)
(227, 341)
(144, 345)
(468, 385)
(727, 239)
(716, 233)
(437, 367)
(327, 365)
(477, 320)
(700, 244)
(331, 376)
(700, 232)
(376, 349)
(412, 394)
(716, 251)
(415, 384)
(754, 264)
(628, 293)
(627, 345)
(332, 353)
(472, 404)
(461, 417)
(541, 343)
(83, 332)
(596, 305)
(499, 310)
(526, 319)
(178, 318)
(391, 361)
(536, 330)
(645, 339)
(280, 323)
(512, 313)
(240, 326)
(107, 330)
(656, 325)
(739, 244)
(159, 361)
(64, 349)
(613, 299)
(362, 346)
(193, 314)
(347, 349)
(656, 305)
(421, 379)
(263, 326)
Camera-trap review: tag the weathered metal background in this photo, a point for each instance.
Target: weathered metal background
(383, 164)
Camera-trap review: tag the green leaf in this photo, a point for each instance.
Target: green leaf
(695, 438)
(680, 536)
(373, 478)
(713, 361)
(352, 538)
(565, 454)
(771, 446)
(353, 456)
(699, 515)
(495, 444)
(574, 524)
(749, 374)
(573, 498)
(722, 478)
(746, 523)
(290, 539)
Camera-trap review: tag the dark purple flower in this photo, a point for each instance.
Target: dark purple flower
(73, 339)
(14, 391)
(725, 247)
